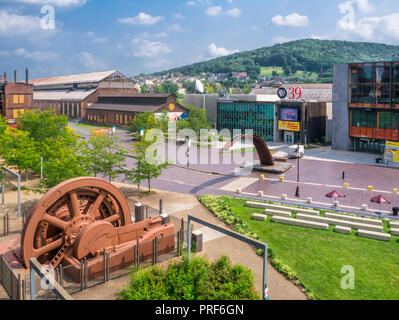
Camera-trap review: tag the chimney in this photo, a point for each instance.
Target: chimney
(15, 76)
(5, 76)
(27, 76)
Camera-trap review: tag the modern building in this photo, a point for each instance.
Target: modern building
(365, 106)
(15, 98)
(72, 94)
(303, 116)
(120, 110)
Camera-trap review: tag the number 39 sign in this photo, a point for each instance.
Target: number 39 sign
(295, 93)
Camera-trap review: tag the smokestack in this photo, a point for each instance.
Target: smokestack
(27, 76)
(15, 76)
(5, 76)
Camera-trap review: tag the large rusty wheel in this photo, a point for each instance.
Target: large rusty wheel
(57, 218)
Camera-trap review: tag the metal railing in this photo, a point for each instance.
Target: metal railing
(13, 284)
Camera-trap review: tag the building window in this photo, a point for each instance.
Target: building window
(17, 113)
(363, 118)
(388, 120)
(18, 99)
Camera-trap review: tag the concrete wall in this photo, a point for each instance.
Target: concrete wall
(211, 103)
(340, 122)
(329, 122)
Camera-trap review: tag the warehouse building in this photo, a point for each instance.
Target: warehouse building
(303, 114)
(72, 94)
(366, 107)
(15, 98)
(120, 110)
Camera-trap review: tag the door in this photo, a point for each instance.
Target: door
(288, 137)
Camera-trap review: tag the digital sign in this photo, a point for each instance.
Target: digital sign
(289, 114)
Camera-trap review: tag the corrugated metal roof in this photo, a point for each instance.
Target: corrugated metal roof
(66, 95)
(310, 92)
(124, 107)
(74, 78)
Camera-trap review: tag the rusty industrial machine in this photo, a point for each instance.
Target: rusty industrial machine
(83, 217)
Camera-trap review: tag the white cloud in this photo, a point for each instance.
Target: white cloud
(214, 11)
(13, 24)
(57, 3)
(190, 3)
(218, 11)
(35, 55)
(292, 20)
(90, 61)
(175, 28)
(281, 39)
(214, 51)
(230, 1)
(161, 35)
(5, 54)
(149, 49)
(142, 18)
(178, 16)
(96, 39)
(235, 12)
(364, 6)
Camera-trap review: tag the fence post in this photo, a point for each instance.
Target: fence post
(153, 251)
(32, 284)
(19, 287)
(160, 206)
(81, 276)
(108, 277)
(178, 243)
(7, 224)
(61, 275)
(138, 254)
(105, 264)
(156, 249)
(23, 289)
(85, 274)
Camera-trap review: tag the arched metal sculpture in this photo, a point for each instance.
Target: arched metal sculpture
(80, 218)
(265, 156)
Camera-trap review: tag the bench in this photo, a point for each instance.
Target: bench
(259, 217)
(394, 224)
(263, 205)
(300, 223)
(271, 212)
(395, 232)
(343, 223)
(352, 218)
(342, 229)
(374, 235)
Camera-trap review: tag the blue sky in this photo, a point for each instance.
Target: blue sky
(135, 36)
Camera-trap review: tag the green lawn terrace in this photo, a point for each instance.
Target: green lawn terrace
(315, 258)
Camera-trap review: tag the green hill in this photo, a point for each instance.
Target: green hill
(306, 57)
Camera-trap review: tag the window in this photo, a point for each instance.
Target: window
(364, 118)
(388, 120)
(18, 98)
(17, 113)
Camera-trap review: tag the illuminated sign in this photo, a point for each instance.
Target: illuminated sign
(102, 131)
(289, 114)
(289, 126)
(392, 151)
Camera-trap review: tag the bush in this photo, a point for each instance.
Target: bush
(195, 279)
(221, 209)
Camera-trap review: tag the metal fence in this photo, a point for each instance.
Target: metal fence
(14, 284)
(10, 223)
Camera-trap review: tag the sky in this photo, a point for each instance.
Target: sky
(57, 37)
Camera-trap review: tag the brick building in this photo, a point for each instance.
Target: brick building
(120, 110)
(15, 98)
(72, 94)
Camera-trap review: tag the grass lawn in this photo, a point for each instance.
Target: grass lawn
(268, 72)
(317, 256)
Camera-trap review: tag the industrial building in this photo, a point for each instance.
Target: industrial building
(15, 97)
(120, 110)
(366, 107)
(72, 94)
(304, 115)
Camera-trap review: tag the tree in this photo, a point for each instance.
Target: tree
(104, 155)
(3, 125)
(18, 149)
(196, 121)
(145, 121)
(170, 87)
(148, 166)
(143, 89)
(189, 86)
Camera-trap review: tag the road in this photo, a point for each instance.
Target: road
(317, 178)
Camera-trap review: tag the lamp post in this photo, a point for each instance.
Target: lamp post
(297, 177)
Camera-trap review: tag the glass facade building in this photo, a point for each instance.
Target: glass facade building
(373, 105)
(247, 115)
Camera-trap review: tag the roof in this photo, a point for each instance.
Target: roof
(74, 78)
(124, 107)
(66, 95)
(310, 93)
